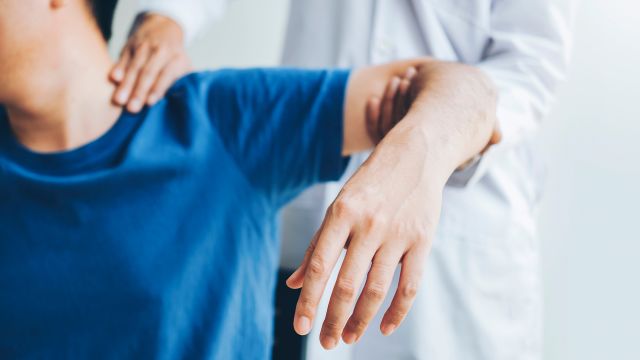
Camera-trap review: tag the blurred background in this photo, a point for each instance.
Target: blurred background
(589, 221)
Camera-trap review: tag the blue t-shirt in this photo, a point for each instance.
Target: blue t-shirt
(158, 240)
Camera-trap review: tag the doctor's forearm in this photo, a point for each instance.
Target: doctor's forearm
(454, 113)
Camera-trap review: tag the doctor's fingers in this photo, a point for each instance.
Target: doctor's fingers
(386, 106)
(147, 77)
(332, 236)
(401, 103)
(413, 264)
(178, 67)
(119, 69)
(375, 290)
(138, 59)
(373, 119)
(362, 248)
(396, 102)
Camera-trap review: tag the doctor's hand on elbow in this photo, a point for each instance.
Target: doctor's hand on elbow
(153, 58)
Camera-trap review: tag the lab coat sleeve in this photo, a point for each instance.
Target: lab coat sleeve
(526, 57)
(192, 15)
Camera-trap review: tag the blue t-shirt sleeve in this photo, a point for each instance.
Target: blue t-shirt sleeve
(284, 127)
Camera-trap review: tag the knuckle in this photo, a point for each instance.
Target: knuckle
(345, 290)
(415, 233)
(331, 326)
(421, 234)
(162, 51)
(384, 267)
(136, 66)
(306, 306)
(343, 208)
(395, 316)
(155, 47)
(409, 290)
(147, 73)
(375, 292)
(373, 221)
(358, 324)
(317, 267)
(127, 84)
(140, 45)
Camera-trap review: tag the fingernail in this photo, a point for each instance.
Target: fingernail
(135, 105)
(329, 342)
(388, 329)
(292, 276)
(121, 97)
(349, 338)
(152, 100)
(303, 325)
(118, 74)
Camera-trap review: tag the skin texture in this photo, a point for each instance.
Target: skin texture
(44, 80)
(386, 214)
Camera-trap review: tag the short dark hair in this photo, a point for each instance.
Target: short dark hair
(103, 11)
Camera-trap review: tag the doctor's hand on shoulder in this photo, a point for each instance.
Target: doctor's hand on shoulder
(153, 58)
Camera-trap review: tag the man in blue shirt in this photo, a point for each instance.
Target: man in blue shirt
(152, 235)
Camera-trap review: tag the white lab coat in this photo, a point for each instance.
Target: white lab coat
(481, 295)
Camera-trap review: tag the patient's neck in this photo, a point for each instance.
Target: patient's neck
(64, 102)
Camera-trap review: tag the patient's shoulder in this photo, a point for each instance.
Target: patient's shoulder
(204, 85)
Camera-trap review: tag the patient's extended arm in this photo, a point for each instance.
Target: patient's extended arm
(387, 212)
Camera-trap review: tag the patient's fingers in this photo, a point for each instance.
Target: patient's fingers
(410, 279)
(296, 280)
(354, 268)
(124, 91)
(331, 239)
(375, 290)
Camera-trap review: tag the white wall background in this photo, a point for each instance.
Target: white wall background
(591, 215)
(590, 218)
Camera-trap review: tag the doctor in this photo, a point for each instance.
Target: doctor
(481, 292)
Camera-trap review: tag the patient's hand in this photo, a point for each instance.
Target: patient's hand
(151, 61)
(388, 211)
